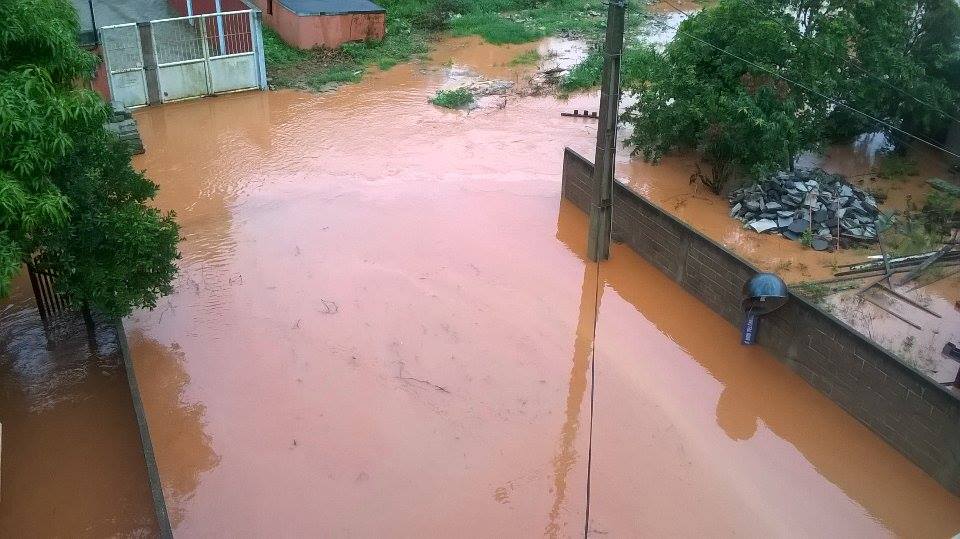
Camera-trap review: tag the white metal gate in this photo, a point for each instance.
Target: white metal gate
(124, 62)
(206, 54)
(192, 56)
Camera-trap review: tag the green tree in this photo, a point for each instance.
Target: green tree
(742, 119)
(913, 48)
(896, 60)
(68, 196)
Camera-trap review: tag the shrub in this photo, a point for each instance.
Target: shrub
(584, 75)
(526, 58)
(452, 99)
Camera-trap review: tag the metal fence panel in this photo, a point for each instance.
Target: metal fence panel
(124, 57)
(205, 54)
(195, 56)
(177, 40)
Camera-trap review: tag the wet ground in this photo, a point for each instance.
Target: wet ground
(384, 326)
(917, 341)
(668, 185)
(72, 465)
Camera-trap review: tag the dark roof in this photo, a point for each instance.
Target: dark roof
(108, 12)
(331, 7)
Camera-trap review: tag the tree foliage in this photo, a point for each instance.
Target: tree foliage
(896, 60)
(68, 196)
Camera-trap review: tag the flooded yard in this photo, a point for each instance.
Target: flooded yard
(72, 465)
(384, 325)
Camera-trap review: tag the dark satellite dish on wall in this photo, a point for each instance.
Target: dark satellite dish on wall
(762, 294)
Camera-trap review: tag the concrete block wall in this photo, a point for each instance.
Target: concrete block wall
(916, 415)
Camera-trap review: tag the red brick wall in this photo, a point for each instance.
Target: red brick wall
(202, 7)
(328, 31)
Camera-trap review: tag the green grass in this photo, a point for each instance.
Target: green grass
(584, 75)
(526, 58)
(494, 28)
(276, 52)
(336, 74)
(896, 167)
(911, 237)
(452, 99)
(815, 292)
(411, 24)
(401, 44)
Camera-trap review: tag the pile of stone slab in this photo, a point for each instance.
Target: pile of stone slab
(122, 123)
(809, 204)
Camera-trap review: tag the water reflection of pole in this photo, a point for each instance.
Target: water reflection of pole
(601, 215)
(567, 456)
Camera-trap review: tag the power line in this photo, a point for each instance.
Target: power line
(807, 88)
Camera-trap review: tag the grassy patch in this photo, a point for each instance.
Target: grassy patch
(814, 292)
(277, 53)
(494, 28)
(896, 167)
(452, 99)
(401, 44)
(911, 237)
(526, 58)
(335, 74)
(819, 292)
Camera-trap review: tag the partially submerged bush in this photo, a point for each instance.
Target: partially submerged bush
(896, 167)
(940, 211)
(526, 58)
(452, 99)
(584, 75)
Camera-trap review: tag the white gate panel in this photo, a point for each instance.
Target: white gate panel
(128, 88)
(124, 62)
(228, 73)
(183, 80)
(195, 56)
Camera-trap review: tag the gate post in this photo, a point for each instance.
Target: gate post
(150, 72)
(206, 54)
(256, 20)
(37, 294)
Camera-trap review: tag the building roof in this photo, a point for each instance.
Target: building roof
(109, 12)
(331, 7)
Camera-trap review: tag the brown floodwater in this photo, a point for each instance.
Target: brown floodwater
(72, 464)
(384, 326)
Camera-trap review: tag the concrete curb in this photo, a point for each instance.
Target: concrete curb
(153, 473)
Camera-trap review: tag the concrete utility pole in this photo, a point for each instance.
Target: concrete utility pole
(601, 214)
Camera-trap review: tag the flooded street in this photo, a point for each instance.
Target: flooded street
(384, 326)
(72, 465)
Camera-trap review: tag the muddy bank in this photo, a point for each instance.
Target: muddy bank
(72, 465)
(384, 326)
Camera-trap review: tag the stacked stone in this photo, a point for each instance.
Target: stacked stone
(793, 203)
(122, 123)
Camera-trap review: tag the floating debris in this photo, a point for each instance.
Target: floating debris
(810, 203)
(578, 114)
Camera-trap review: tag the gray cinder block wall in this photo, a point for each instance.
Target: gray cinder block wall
(916, 415)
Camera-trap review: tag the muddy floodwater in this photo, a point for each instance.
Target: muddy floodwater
(384, 326)
(72, 464)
